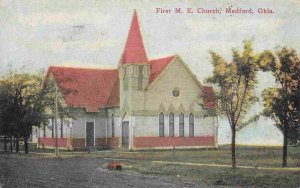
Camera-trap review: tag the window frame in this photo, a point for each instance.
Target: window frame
(171, 124)
(181, 125)
(161, 124)
(191, 125)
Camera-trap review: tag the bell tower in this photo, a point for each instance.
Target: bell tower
(134, 71)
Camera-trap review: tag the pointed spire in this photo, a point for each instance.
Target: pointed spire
(134, 51)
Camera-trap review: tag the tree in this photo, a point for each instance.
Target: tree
(22, 105)
(5, 117)
(236, 81)
(282, 103)
(54, 101)
(27, 100)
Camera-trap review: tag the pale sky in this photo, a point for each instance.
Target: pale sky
(93, 33)
(37, 34)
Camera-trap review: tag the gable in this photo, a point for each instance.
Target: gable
(161, 66)
(174, 76)
(172, 73)
(87, 88)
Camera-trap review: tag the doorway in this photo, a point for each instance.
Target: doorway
(90, 140)
(125, 134)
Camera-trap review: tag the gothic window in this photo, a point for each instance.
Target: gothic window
(161, 124)
(191, 125)
(112, 126)
(181, 125)
(171, 124)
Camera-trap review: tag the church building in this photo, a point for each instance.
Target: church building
(142, 104)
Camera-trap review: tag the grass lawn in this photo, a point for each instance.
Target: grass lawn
(246, 156)
(255, 157)
(220, 175)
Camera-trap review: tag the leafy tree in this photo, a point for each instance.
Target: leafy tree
(236, 81)
(5, 117)
(27, 100)
(22, 105)
(282, 103)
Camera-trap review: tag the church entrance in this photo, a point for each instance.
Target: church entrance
(90, 141)
(125, 134)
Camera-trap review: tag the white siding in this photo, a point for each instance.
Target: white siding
(79, 128)
(146, 125)
(204, 126)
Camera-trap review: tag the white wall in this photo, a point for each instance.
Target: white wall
(149, 126)
(117, 127)
(146, 126)
(204, 126)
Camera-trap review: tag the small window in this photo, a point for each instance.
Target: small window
(171, 124)
(191, 125)
(161, 124)
(112, 126)
(175, 92)
(181, 125)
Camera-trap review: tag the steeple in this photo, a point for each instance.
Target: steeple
(134, 51)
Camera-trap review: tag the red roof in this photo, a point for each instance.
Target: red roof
(87, 88)
(99, 88)
(114, 98)
(209, 101)
(134, 51)
(158, 65)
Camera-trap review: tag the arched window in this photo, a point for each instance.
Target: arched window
(191, 125)
(181, 125)
(171, 124)
(161, 124)
(112, 126)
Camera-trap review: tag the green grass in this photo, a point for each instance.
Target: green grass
(219, 175)
(246, 156)
(255, 156)
(252, 156)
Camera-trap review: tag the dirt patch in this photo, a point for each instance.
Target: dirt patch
(73, 172)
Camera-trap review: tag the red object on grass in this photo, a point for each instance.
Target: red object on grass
(114, 166)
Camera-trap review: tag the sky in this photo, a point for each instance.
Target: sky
(37, 34)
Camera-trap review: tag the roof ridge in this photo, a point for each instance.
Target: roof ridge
(170, 56)
(85, 68)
